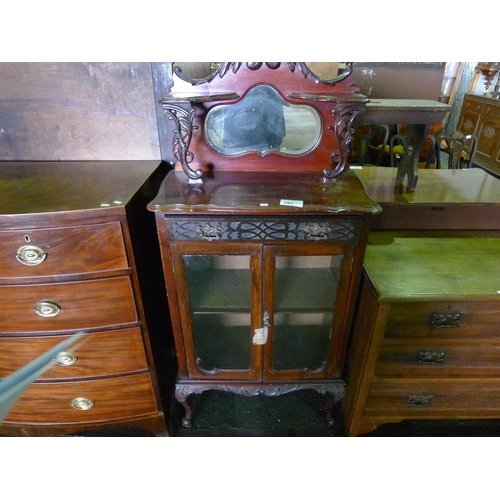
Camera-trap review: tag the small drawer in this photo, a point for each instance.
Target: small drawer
(70, 250)
(341, 229)
(440, 319)
(492, 112)
(85, 401)
(71, 306)
(438, 358)
(474, 106)
(103, 353)
(452, 398)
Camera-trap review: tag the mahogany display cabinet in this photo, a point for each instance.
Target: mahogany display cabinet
(262, 228)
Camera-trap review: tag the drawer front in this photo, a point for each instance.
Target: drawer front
(103, 353)
(49, 252)
(67, 306)
(438, 358)
(440, 398)
(323, 230)
(472, 105)
(111, 398)
(440, 319)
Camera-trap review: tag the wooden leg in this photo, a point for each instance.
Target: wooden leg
(181, 395)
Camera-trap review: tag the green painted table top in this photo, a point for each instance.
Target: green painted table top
(431, 265)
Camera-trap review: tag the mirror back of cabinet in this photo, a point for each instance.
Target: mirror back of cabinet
(279, 118)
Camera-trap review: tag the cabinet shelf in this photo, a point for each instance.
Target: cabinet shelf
(220, 290)
(305, 290)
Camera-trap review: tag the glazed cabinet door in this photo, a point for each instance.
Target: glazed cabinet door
(305, 299)
(219, 308)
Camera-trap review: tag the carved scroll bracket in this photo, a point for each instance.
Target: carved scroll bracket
(183, 116)
(344, 115)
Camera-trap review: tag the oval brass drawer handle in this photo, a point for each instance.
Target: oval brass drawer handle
(82, 404)
(30, 255)
(47, 309)
(65, 358)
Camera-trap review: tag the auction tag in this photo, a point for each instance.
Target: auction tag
(292, 203)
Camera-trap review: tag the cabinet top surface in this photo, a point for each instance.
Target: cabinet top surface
(472, 185)
(40, 187)
(263, 193)
(434, 265)
(483, 98)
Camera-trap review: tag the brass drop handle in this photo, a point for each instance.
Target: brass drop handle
(419, 400)
(47, 309)
(82, 404)
(30, 255)
(65, 358)
(431, 357)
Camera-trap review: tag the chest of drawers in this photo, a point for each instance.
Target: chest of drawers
(426, 340)
(75, 255)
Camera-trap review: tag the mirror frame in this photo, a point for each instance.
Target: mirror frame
(187, 103)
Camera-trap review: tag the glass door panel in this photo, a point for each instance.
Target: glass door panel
(305, 292)
(219, 289)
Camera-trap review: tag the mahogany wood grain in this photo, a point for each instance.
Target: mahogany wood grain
(85, 305)
(410, 319)
(103, 268)
(260, 193)
(102, 354)
(114, 398)
(443, 199)
(36, 192)
(461, 358)
(409, 278)
(69, 250)
(452, 397)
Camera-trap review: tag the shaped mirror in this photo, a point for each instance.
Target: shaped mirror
(262, 122)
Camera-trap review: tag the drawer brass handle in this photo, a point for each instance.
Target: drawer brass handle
(82, 404)
(207, 232)
(30, 255)
(47, 309)
(65, 358)
(431, 358)
(419, 400)
(445, 320)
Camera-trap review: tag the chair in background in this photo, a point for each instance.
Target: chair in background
(370, 142)
(457, 150)
(398, 148)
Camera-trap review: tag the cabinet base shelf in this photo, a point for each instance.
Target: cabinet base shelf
(183, 389)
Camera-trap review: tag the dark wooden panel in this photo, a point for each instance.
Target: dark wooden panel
(77, 111)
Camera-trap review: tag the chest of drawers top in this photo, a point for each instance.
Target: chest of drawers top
(35, 190)
(434, 265)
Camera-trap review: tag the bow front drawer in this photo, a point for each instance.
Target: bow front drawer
(69, 250)
(78, 305)
(102, 353)
(85, 401)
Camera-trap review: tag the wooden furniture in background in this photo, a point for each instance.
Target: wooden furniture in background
(426, 334)
(480, 116)
(78, 252)
(446, 199)
(417, 115)
(262, 247)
